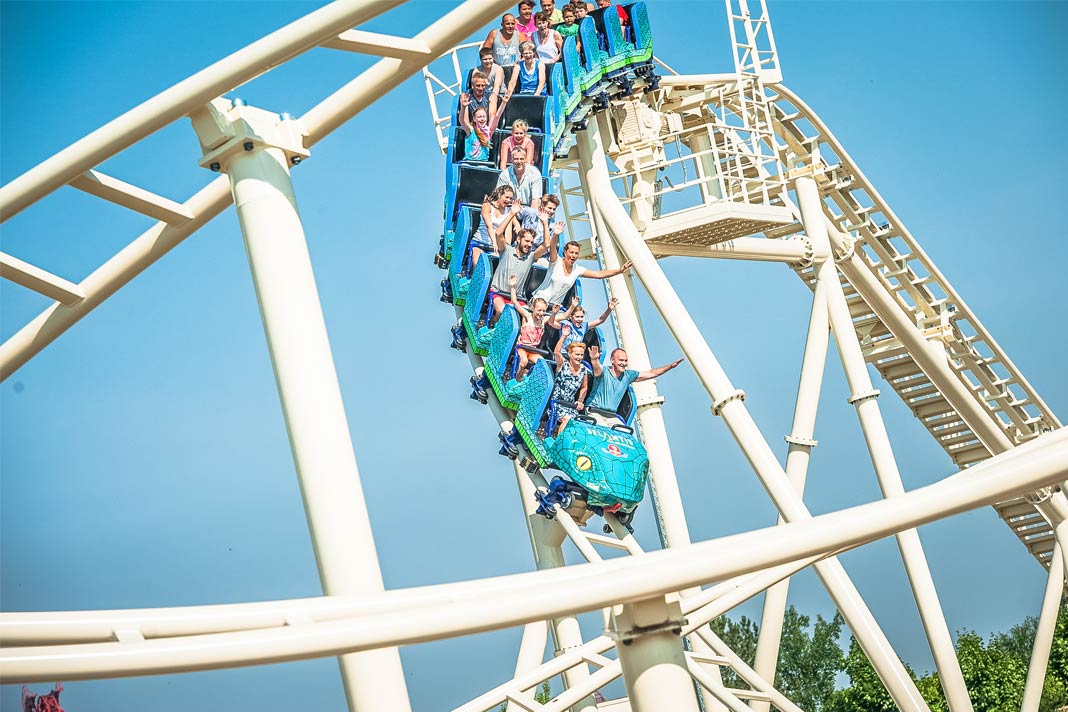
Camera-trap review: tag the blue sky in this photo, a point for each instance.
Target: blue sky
(144, 456)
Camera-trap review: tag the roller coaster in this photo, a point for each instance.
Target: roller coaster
(648, 165)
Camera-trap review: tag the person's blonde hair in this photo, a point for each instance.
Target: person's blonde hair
(576, 344)
(520, 124)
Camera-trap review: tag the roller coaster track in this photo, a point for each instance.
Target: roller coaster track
(976, 405)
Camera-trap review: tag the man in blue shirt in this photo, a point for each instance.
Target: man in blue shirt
(524, 178)
(610, 384)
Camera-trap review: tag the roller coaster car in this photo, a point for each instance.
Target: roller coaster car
(610, 465)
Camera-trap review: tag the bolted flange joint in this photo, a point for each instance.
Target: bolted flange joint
(717, 407)
(632, 621)
(798, 440)
(866, 395)
(227, 129)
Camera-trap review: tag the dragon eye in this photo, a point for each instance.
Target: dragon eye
(583, 463)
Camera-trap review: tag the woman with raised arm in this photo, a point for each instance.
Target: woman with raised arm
(479, 126)
(498, 211)
(564, 272)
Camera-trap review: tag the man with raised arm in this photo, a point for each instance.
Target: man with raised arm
(610, 384)
(518, 254)
(524, 178)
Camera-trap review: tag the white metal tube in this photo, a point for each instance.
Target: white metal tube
(882, 456)
(472, 607)
(758, 249)
(188, 95)
(546, 537)
(111, 276)
(314, 413)
(751, 677)
(663, 485)
(653, 661)
(727, 401)
(348, 101)
(801, 441)
(664, 482)
(715, 687)
(1047, 625)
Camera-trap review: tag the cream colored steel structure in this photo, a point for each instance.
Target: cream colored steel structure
(872, 285)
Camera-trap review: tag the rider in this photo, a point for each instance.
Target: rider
(610, 384)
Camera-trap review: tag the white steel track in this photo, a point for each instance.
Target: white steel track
(417, 615)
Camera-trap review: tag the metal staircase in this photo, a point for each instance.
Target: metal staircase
(905, 271)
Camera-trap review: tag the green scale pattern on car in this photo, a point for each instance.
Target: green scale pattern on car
(612, 465)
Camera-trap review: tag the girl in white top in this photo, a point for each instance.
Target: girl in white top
(563, 272)
(549, 43)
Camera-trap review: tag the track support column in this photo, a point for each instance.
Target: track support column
(663, 481)
(547, 538)
(255, 148)
(648, 637)
(801, 441)
(863, 398)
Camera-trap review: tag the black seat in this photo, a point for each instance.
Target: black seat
(473, 184)
(527, 107)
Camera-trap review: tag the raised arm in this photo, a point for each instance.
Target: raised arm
(595, 360)
(549, 246)
(654, 372)
(606, 273)
(497, 112)
(524, 313)
(488, 44)
(561, 317)
(502, 234)
(558, 353)
(612, 303)
(465, 114)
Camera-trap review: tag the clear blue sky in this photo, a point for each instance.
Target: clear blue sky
(144, 456)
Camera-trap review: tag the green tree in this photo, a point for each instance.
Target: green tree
(809, 663)
(741, 637)
(994, 677)
(809, 656)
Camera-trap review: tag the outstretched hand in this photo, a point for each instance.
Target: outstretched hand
(675, 364)
(594, 352)
(626, 267)
(613, 303)
(465, 99)
(513, 280)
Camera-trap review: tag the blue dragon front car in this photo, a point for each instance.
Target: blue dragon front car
(610, 464)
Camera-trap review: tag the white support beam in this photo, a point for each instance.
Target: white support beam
(35, 278)
(172, 104)
(380, 45)
(130, 196)
(757, 249)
